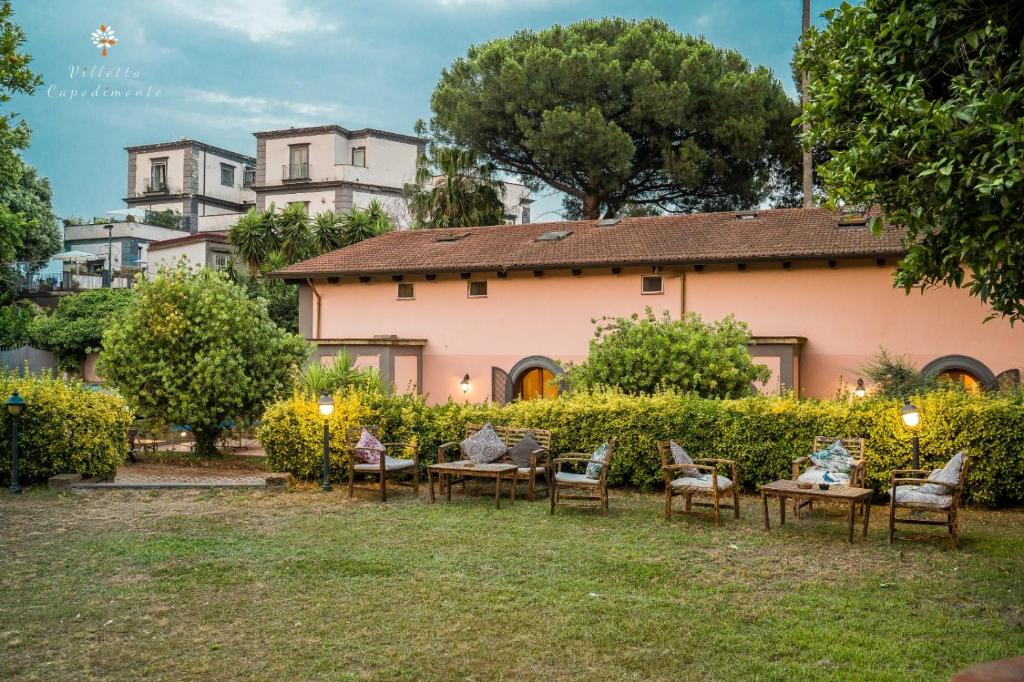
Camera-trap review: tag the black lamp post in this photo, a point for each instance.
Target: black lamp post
(326, 404)
(110, 255)
(15, 405)
(912, 419)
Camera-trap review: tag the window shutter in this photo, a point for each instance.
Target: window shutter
(499, 386)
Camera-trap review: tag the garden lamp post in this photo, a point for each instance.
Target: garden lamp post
(326, 404)
(15, 405)
(110, 255)
(912, 419)
(860, 391)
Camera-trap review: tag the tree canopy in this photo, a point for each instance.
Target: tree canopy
(193, 348)
(614, 111)
(648, 354)
(76, 327)
(921, 106)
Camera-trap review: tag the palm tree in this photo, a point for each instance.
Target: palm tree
(253, 237)
(366, 223)
(327, 233)
(462, 193)
(293, 227)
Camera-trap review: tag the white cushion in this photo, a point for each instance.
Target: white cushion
(567, 477)
(702, 481)
(390, 464)
(817, 475)
(947, 474)
(914, 494)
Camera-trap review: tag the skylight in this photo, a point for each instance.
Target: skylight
(451, 237)
(746, 215)
(554, 235)
(608, 222)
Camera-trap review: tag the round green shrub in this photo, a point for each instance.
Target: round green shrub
(66, 427)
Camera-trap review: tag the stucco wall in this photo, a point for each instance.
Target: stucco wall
(175, 169)
(321, 156)
(195, 252)
(319, 200)
(848, 313)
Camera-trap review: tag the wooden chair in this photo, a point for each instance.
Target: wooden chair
(510, 435)
(391, 465)
(679, 485)
(857, 470)
(946, 504)
(579, 486)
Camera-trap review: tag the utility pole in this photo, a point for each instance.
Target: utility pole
(808, 176)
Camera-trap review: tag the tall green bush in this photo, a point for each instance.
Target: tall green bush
(763, 434)
(66, 427)
(76, 327)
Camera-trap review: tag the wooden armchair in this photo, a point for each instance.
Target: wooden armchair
(905, 493)
(510, 435)
(395, 462)
(678, 483)
(580, 486)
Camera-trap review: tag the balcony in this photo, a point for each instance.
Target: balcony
(294, 172)
(156, 186)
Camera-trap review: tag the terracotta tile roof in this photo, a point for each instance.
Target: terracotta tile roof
(774, 234)
(218, 237)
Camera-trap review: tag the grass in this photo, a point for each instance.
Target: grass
(306, 585)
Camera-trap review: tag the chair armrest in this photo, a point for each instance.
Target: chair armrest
(924, 481)
(716, 460)
(443, 449)
(904, 472)
(797, 464)
(558, 461)
(535, 455)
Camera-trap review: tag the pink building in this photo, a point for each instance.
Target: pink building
(500, 305)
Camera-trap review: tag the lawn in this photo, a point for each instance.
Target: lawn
(306, 585)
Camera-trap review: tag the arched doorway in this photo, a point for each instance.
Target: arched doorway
(534, 378)
(962, 369)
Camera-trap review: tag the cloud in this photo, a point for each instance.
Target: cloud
(263, 105)
(261, 21)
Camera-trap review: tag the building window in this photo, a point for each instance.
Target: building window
(478, 289)
(651, 284)
(406, 291)
(359, 156)
(227, 175)
(221, 261)
(158, 175)
(298, 162)
(536, 383)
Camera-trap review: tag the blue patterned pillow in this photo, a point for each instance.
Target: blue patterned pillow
(834, 458)
(597, 461)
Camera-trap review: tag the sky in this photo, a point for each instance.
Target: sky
(217, 71)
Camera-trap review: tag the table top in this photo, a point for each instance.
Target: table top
(464, 466)
(790, 487)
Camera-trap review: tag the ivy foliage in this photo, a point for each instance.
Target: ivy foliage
(194, 349)
(921, 105)
(649, 354)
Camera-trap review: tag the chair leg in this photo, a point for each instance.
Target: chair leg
(533, 487)
(892, 520)
(351, 483)
(383, 488)
(554, 496)
(736, 501)
(416, 481)
(668, 503)
(604, 494)
(689, 500)
(715, 516)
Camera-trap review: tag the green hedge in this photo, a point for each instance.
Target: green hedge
(762, 434)
(66, 427)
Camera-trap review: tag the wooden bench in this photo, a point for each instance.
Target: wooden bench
(540, 459)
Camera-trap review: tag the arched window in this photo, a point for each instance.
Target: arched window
(962, 369)
(534, 377)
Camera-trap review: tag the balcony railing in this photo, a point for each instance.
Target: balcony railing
(295, 171)
(155, 185)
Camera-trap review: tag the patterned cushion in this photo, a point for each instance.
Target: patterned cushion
(521, 451)
(484, 446)
(390, 464)
(567, 477)
(701, 481)
(597, 461)
(834, 458)
(368, 449)
(681, 456)
(818, 475)
(947, 474)
(914, 494)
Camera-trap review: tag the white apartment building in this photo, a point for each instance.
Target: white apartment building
(323, 168)
(207, 186)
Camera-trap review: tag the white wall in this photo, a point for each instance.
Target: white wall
(321, 156)
(209, 177)
(195, 252)
(397, 207)
(388, 163)
(319, 200)
(175, 169)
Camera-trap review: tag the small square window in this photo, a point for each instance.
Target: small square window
(478, 289)
(227, 175)
(651, 284)
(359, 156)
(406, 291)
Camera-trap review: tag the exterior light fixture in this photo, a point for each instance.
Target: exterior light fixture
(464, 384)
(326, 405)
(912, 419)
(860, 391)
(15, 406)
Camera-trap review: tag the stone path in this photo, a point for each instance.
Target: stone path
(144, 475)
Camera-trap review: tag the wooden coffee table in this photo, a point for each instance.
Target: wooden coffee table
(445, 470)
(788, 489)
